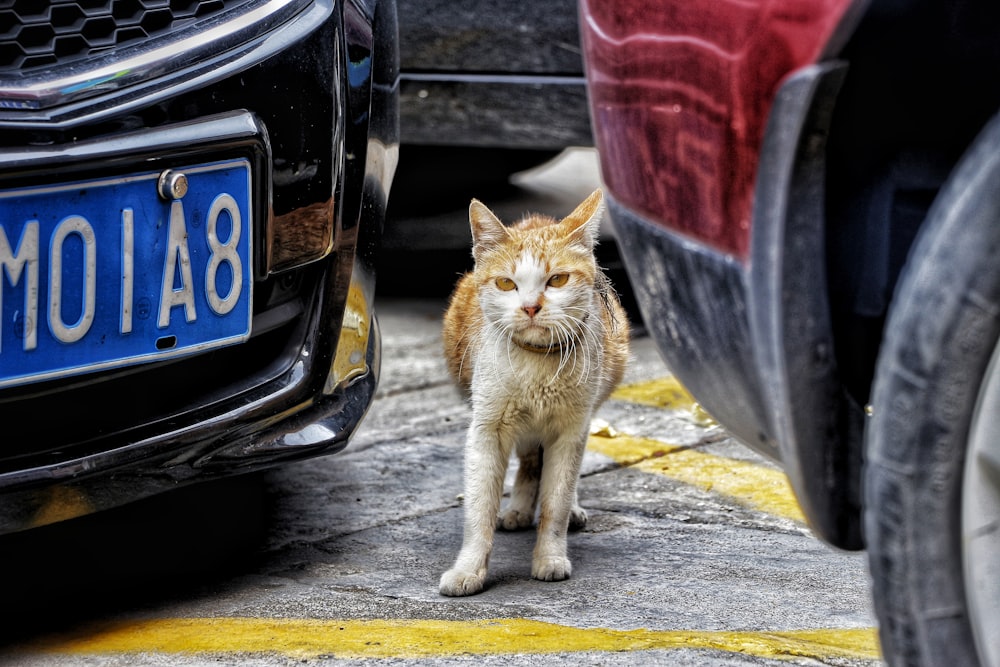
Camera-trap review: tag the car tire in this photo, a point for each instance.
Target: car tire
(934, 368)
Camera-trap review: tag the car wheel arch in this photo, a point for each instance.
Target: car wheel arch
(812, 419)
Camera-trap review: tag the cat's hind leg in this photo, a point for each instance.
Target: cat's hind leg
(557, 497)
(577, 515)
(520, 511)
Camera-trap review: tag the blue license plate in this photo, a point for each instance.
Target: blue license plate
(111, 272)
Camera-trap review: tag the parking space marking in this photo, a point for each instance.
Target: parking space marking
(752, 485)
(749, 484)
(310, 639)
(667, 393)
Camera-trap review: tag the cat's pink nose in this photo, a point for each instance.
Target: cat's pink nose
(531, 310)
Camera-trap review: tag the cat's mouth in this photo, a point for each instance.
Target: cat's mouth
(538, 335)
(544, 342)
(533, 328)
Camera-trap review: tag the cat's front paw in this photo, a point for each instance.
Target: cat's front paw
(551, 568)
(577, 518)
(457, 583)
(512, 519)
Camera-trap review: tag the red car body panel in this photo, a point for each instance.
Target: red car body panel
(708, 116)
(692, 84)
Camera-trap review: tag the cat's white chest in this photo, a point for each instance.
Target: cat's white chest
(537, 387)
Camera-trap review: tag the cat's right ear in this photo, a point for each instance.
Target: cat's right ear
(584, 224)
(487, 230)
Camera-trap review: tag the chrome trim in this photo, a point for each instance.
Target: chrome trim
(207, 52)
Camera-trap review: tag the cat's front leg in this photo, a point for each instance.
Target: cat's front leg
(557, 497)
(486, 457)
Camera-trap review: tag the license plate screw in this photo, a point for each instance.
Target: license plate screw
(172, 185)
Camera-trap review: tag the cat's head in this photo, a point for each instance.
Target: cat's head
(537, 278)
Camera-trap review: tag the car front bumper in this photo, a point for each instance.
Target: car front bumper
(312, 108)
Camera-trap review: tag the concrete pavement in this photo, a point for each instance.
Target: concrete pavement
(678, 566)
(694, 553)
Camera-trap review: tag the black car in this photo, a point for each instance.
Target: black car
(191, 196)
(806, 197)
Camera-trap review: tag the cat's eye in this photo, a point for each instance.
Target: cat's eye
(506, 284)
(558, 280)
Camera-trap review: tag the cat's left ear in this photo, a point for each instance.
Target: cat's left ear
(584, 224)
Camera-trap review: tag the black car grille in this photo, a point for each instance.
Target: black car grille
(43, 33)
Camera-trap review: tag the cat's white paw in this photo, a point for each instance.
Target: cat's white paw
(457, 583)
(512, 519)
(577, 518)
(551, 569)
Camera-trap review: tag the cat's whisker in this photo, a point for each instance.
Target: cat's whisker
(470, 338)
(510, 344)
(576, 331)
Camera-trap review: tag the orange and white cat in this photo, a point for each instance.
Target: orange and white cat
(537, 338)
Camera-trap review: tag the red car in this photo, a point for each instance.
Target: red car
(806, 195)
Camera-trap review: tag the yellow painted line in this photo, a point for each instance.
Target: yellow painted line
(755, 486)
(666, 393)
(751, 485)
(309, 639)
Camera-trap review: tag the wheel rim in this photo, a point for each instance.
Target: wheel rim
(981, 517)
